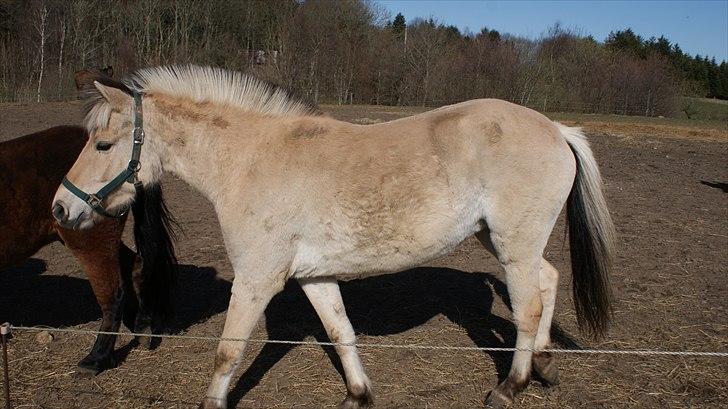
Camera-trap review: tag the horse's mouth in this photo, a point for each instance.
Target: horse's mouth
(75, 224)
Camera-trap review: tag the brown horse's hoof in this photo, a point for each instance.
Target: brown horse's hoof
(545, 366)
(93, 365)
(145, 341)
(84, 373)
(359, 400)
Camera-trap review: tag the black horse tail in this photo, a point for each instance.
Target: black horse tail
(154, 234)
(591, 237)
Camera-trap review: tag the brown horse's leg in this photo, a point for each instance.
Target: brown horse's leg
(135, 283)
(98, 252)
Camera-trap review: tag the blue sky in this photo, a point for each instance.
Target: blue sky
(699, 27)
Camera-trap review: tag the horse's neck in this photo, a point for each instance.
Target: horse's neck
(205, 159)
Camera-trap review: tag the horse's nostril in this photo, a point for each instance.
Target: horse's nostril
(59, 212)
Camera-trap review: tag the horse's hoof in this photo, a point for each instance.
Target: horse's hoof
(145, 341)
(545, 367)
(85, 373)
(358, 400)
(91, 366)
(213, 403)
(497, 400)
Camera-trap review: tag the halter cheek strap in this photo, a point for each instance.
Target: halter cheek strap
(127, 175)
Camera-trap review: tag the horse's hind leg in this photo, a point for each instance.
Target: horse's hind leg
(520, 256)
(325, 297)
(543, 362)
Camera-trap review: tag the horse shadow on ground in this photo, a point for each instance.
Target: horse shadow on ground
(32, 298)
(377, 306)
(198, 295)
(392, 304)
(716, 185)
(35, 299)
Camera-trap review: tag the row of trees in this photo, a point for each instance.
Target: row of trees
(708, 78)
(346, 51)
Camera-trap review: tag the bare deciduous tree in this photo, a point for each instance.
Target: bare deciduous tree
(348, 51)
(41, 23)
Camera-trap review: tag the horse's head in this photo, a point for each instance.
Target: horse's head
(113, 164)
(85, 78)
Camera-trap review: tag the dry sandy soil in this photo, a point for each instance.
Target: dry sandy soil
(668, 196)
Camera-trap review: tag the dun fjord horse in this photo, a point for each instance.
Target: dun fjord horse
(135, 288)
(300, 195)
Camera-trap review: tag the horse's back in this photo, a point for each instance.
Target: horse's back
(489, 147)
(402, 192)
(31, 168)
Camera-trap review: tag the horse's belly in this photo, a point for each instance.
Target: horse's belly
(380, 255)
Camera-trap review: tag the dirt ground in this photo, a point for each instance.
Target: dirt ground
(667, 194)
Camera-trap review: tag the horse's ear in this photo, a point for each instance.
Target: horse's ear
(117, 98)
(83, 79)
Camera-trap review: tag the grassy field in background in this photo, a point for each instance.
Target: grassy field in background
(705, 109)
(682, 121)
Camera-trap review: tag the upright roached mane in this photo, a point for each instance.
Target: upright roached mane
(201, 84)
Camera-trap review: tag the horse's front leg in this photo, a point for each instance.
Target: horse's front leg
(325, 297)
(98, 252)
(136, 301)
(250, 296)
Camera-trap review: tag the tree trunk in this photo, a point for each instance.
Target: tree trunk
(42, 16)
(60, 55)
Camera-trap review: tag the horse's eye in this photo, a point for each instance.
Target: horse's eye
(103, 146)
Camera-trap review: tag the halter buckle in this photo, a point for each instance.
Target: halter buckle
(134, 166)
(93, 200)
(139, 136)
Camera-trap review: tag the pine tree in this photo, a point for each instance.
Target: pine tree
(626, 40)
(399, 25)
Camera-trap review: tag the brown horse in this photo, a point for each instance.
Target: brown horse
(31, 167)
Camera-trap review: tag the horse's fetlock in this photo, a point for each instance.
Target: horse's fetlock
(213, 403)
(358, 396)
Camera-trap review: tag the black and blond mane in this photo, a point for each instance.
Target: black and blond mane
(200, 84)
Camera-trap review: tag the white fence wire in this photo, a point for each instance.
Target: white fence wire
(644, 352)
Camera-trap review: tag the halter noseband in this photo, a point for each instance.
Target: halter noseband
(127, 175)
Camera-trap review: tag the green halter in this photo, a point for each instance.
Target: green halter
(127, 175)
